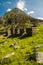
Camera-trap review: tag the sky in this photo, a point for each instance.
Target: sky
(33, 8)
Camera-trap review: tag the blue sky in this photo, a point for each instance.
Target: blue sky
(31, 7)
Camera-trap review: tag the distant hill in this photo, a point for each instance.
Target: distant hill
(18, 16)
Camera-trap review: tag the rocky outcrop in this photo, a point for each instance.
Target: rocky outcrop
(6, 57)
(39, 57)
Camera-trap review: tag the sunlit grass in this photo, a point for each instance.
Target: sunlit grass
(26, 47)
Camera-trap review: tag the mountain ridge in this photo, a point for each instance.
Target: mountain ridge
(16, 15)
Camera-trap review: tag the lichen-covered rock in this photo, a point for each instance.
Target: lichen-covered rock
(39, 57)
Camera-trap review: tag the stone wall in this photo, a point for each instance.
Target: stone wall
(34, 31)
(19, 31)
(29, 31)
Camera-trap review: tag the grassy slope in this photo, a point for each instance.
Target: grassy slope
(26, 47)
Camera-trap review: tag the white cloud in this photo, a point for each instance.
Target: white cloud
(25, 9)
(31, 12)
(40, 18)
(8, 2)
(8, 10)
(21, 4)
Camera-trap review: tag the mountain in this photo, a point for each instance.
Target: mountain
(21, 50)
(17, 16)
(0, 21)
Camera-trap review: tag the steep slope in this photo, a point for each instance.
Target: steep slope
(23, 48)
(15, 15)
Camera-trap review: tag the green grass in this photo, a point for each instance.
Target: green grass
(26, 48)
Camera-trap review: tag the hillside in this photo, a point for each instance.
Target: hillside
(0, 19)
(18, 16)
(20, 50)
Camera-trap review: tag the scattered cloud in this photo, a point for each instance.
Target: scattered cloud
(31, 12)
(25, 9)
(21, 5)
(9, 9)
(40, 18)
(8, 2)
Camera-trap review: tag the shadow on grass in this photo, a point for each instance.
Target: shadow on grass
(15, 36)
(24, 36)
(20, 36)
